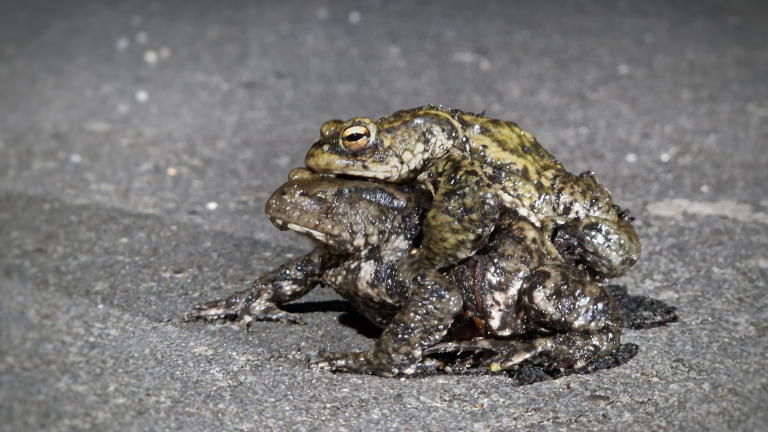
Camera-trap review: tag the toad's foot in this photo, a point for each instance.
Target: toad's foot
(243, 308)
(481, 351)
(273, 288)
(565, 350)
(362, 362)
(555, 352)
(227, 308)
(492, 346)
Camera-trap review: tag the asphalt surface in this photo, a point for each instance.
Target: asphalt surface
(140, 140)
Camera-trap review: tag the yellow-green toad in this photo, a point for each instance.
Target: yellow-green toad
(481, 171)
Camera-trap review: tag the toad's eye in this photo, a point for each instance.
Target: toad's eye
(355, 137)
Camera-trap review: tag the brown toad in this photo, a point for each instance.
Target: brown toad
(513, 301)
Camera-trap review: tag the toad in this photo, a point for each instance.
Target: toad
(480, 169)
(514, 302)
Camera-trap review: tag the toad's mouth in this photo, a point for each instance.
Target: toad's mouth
(317, 235)
(326, 237)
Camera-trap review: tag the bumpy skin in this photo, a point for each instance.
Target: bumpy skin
(364, 232)
(477, 168)
(514, 302)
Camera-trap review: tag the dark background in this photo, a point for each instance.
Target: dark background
(139, 141)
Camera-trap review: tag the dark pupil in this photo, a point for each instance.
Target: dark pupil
(355, 136)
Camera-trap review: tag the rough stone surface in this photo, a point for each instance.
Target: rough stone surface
(139, 141)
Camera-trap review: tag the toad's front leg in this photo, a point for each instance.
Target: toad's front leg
(430, 307)
(464, 213)
(260, 303)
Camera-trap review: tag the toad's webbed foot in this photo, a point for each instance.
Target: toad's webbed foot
(244, 307)
(564, 350)
(492, 346)
(559, 351)
(481, 351)
(227, 308)
(261, 302)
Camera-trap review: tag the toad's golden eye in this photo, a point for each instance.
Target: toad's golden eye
(355, 137)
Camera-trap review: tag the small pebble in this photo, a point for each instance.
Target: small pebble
(141, 37)
(97, 126)
(354, 17)
(282, 160)
(623, 69)
(204, 350)
(666, 157)
(704, 188)
(164, 52)
(75, 158)
(758, 109)
(630, 157)
(484, 64)
(598, 399)
(212, 206)
(322, 14)
(123, 108)
(464, 57)
(150, 57)
(171, 171)
(122, 44)
(142, 96)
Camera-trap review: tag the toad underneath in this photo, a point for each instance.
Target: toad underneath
(516, 300)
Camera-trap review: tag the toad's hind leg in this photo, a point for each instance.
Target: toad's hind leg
(431, 305)
(581, 318)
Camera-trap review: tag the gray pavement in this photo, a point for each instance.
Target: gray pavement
(140, 140)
